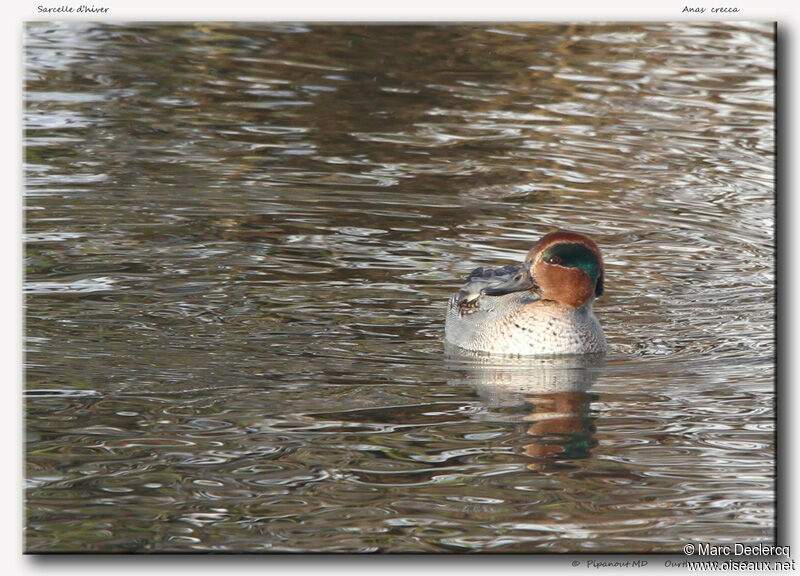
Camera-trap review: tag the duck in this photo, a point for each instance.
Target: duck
(542, 307)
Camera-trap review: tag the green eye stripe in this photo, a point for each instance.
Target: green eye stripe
(575, 256)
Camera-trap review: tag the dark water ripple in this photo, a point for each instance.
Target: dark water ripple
(240, 238)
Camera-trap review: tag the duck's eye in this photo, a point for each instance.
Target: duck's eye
(553, 260)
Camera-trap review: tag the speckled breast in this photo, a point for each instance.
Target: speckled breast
(523, 324)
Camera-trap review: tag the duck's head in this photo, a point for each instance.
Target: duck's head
(565, 267)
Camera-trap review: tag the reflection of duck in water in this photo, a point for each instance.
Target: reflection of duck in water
(543, 307)
(556, 389)
(561, 426)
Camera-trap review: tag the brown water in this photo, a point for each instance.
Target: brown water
(240, 240)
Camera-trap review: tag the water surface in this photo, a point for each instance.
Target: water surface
(240, 241)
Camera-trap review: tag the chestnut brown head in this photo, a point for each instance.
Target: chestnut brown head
(565, 267)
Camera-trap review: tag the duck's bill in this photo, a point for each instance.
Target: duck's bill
(519, 283)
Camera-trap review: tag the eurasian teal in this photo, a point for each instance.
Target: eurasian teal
(542, 307)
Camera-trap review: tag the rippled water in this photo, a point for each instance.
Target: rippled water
(240, 240)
